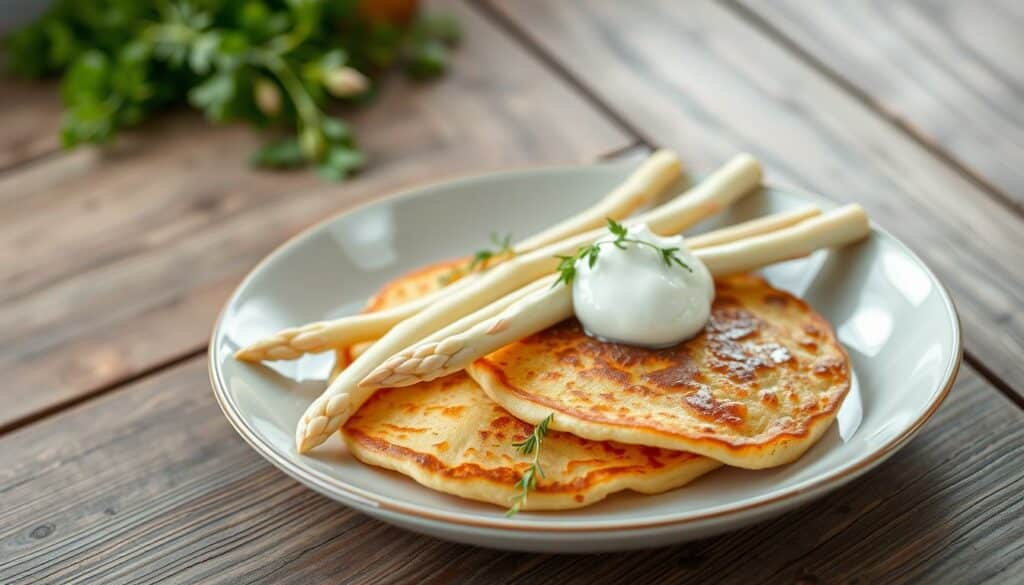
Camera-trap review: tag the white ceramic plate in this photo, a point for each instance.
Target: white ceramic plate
(893, 316)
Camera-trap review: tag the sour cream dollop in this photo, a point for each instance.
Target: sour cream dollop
(631, 296)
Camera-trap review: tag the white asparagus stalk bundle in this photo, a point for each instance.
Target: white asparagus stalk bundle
(545, 308)
(344, 396)
(657, 173)
(753, 227)
(324, 335)
(396, 371)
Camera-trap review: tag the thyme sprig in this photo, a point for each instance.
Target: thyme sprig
(481, 258)
(567, 265)
(530, 445)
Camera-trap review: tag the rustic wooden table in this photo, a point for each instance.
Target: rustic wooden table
(117, 465)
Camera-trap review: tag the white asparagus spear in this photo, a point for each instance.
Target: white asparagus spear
(752, 227)
(321, 336)
(344, 396)
(838, 227)
(545, 308)
(657, 173)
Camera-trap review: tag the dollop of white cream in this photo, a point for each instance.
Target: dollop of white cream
(631, 296)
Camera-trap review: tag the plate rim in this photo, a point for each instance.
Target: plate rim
(359, 497)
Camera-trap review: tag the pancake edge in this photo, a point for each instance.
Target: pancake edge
(480, 488)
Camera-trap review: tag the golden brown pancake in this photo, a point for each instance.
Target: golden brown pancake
(449, 436)
(755, 389)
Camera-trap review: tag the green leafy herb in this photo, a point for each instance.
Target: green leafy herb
(589, 254)
(530, 446)
(429, 42)
(481, 258)
(276, 63)
(279, 154)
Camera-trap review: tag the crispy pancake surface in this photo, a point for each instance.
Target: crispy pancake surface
(755, 389)
(449, 436)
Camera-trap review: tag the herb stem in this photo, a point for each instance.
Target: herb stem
(288, 42)
(304, 103)
(528, 481)
(618, 243)
(567, 267)
(481, 259)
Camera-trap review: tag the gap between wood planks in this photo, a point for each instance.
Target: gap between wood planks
(59, 407)
(993, 379)
(30, 162)
(777, 37)
(906, 127)
(578, 85)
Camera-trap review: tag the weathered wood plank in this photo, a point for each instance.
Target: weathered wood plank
(29, 119)
(949, 71)
(113, 263)
(701, 79)
(156, 487)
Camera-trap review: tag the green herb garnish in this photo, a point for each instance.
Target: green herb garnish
(481, 258)
(270, 63)
(530, 445)
(567, 265)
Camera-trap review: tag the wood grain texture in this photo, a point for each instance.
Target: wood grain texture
(949, 71)
(29, 121)
(150, 484)
(701, 79)
(112, 263)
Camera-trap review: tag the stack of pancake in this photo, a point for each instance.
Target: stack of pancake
(756, 389)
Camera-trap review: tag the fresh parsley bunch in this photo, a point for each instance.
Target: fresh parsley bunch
(266, 62)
